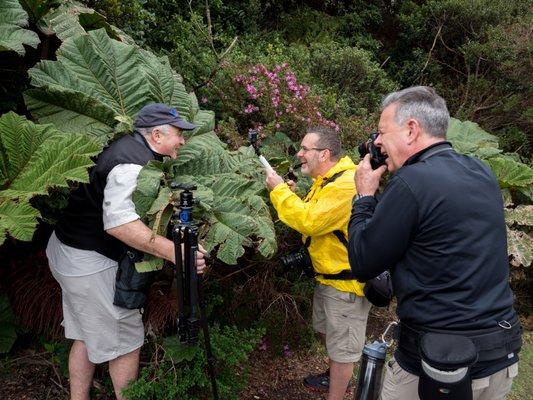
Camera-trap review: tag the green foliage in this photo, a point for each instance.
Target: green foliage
(232, 209)
(12, 34)
(181, 371)
(8, 333)
(36, 158)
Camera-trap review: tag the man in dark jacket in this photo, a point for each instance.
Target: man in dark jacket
(90, 238)
(439, 225)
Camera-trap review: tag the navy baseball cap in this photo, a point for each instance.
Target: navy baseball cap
(160, 114)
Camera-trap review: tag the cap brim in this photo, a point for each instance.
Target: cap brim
(183, 125)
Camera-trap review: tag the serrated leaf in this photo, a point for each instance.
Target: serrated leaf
(13, 36)
(521, 215)
(33, 159)
(510, 173)
(520, 248)
(37, 157)
(468, 138)
(17, 219)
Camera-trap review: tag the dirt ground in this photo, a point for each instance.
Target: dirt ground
(31, 376)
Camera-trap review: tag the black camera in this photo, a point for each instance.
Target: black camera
(376, 158)
(299, 259)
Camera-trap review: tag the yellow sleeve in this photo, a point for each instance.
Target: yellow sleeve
(326, 212)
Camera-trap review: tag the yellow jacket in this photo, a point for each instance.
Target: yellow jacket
(321, 212)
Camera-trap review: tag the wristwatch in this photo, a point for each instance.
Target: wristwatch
(361, 195)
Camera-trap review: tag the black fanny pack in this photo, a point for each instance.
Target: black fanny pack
(446, 356)
(445, 372)
(131, 287)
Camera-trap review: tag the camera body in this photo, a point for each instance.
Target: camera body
(376, 158)
(300, 260)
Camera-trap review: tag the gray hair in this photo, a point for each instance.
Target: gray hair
(328, 139)
(147, 131)
(423, 104)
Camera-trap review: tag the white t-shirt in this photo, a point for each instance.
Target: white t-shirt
(118, 209)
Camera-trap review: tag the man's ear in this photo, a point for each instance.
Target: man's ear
(156, 135)
(415, 130)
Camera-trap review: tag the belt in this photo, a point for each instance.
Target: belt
(491, 343)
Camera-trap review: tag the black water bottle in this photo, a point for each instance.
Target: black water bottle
(370, 372)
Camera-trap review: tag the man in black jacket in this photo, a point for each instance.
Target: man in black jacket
(90, 238)
(439, 225)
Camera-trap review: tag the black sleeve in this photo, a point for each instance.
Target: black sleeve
(379, 232)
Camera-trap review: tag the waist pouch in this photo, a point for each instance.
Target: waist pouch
(446, 361)
(379, 290)
(131, 286)
(491, 343)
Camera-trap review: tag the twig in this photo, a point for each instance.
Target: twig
(431, 50)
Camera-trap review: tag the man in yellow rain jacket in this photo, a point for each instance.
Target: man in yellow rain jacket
(340, 310)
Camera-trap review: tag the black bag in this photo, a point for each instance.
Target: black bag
(378, 290)
(446, 361)
(131, 286)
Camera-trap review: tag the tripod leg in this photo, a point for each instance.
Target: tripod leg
(177, 237)
(207, 339)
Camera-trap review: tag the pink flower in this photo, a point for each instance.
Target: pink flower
(204, 100)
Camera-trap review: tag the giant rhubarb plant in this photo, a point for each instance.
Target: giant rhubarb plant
(96, 87)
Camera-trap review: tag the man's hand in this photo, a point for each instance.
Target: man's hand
(366, 178)
(292, 185)
(200, 259)
(272, 178)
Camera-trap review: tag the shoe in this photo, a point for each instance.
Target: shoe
(318, 382)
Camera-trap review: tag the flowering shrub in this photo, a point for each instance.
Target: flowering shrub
(272, 100)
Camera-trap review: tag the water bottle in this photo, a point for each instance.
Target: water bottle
(370, 371)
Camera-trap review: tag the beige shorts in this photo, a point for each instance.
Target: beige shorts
(341, 317)
(89, 315)
(399, 384)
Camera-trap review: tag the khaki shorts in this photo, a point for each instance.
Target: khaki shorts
(341, 317)
(399, 384)
(89, 315)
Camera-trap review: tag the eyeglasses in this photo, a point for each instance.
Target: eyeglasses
(306, 149)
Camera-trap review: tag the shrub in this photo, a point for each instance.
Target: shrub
(179, 371)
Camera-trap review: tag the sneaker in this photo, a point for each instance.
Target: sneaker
(318, 382)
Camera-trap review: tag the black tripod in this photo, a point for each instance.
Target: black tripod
(191, 303)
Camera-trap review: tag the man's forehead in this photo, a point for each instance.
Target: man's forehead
(310, 137)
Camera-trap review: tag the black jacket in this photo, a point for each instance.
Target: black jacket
(439, 226)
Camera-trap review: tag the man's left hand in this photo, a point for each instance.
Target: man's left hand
(200, 259)
(366, 178)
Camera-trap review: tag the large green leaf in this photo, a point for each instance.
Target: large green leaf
(233, 214)
(521, 215)
(468, 138)
(33, 159)
(12, 34)
(97, 86)
(510, 173)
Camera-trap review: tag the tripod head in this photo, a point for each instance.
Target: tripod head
(186, 201)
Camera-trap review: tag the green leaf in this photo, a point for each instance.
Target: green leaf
(510, 173)
(520, 248)
(12, 34)
(179, 352)
(521, 215)
(37, 157)
(97, 86)
(468, 138)
(8, 334)
(34, 158)
(149, 263)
